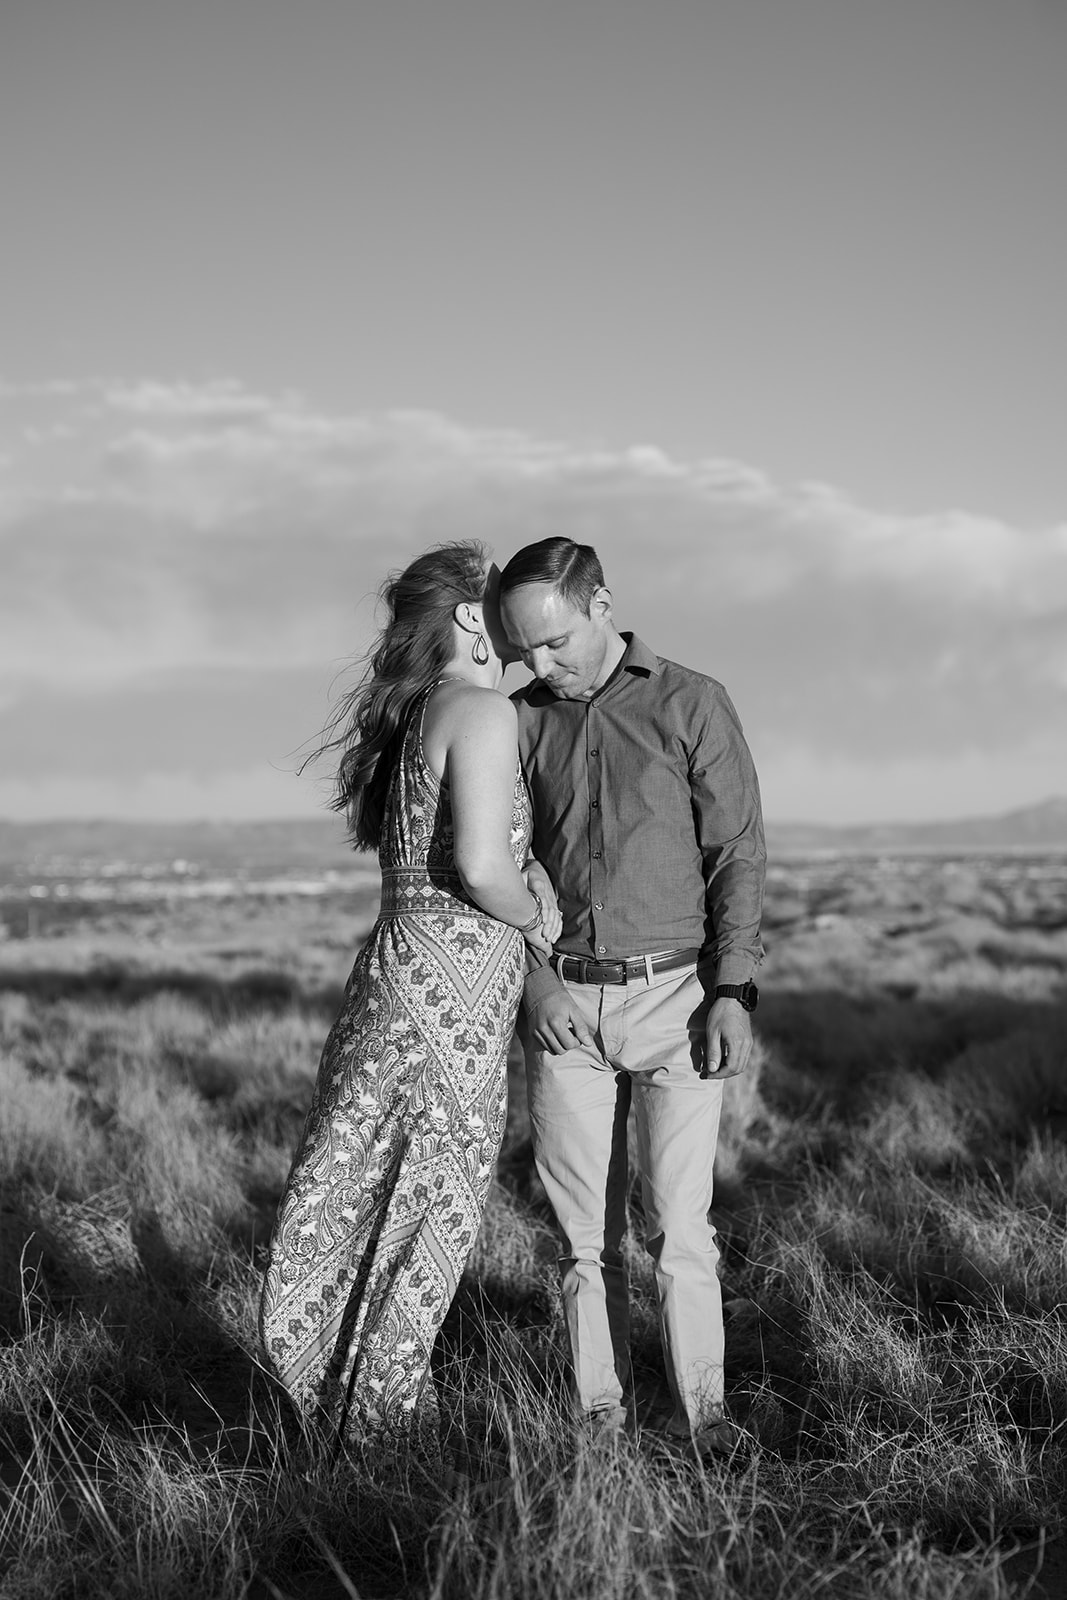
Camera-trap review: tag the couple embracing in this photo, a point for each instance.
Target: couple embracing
(584, 860)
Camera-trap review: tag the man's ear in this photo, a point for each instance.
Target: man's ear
(601, 603)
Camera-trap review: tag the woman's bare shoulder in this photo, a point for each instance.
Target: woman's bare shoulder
(469, 712)
(465, 702)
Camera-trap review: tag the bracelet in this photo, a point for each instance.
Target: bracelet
(537, 918)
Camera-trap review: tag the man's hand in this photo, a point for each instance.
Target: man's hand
(556, 1025)
(729, 1039)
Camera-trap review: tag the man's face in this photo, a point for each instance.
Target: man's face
(567, 650)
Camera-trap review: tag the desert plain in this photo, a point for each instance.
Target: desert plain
(891, 1203)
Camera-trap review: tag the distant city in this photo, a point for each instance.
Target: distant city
(197, 858)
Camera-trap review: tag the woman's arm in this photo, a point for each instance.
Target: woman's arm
(481, 755)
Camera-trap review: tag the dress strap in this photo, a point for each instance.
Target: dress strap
(418, 713)
(418, 705)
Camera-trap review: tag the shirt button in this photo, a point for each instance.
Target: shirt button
(601, 949)
(596, 805)
(594, 752)
(596, 855)
(598, 905)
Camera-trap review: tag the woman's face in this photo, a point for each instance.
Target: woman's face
(499, 642)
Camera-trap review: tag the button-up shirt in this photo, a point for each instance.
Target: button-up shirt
(646, 816)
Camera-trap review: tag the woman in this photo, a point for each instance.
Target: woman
(386, 1191)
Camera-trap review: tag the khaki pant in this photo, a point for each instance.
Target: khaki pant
(652, 1040)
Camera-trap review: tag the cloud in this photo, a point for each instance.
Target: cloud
(195, 555)
(220, 399)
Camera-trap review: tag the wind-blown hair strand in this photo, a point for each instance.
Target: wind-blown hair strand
(410, 652)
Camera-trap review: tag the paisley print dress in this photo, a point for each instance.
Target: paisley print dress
(386, 1191)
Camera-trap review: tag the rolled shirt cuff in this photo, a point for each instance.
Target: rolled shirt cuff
(735, 968)
(539, 983)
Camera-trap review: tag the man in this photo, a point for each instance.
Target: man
(647, 819)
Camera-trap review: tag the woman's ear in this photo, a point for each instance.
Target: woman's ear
(469, 617)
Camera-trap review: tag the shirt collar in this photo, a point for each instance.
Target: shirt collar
(638, 657)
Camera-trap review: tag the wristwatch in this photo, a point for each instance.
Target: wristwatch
(747, 993)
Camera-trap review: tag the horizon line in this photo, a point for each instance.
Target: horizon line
(1048, 803)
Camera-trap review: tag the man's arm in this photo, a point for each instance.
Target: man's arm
(552, 1021)
(729, 821)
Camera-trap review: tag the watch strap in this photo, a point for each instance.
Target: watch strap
(746, 993)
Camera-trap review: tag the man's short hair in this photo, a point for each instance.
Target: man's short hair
(573, 570)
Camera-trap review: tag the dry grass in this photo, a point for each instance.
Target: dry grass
(891, 1184)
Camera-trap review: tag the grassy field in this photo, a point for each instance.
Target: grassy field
(892, 1202)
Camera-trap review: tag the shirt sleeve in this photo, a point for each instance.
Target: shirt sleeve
(729, 823)
(540, 981)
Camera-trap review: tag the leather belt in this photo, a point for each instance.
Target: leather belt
(583, 969)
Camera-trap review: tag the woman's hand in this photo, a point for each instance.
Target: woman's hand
(539, 883)
(539, 942)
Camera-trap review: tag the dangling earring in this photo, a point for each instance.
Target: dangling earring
(480, 652)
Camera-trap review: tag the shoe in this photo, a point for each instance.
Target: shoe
(721, 1441)
(603, 1423)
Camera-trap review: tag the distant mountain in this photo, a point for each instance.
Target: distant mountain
(309, 844)
(1031, 828)
(296, 844)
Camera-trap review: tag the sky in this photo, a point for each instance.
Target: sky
(762, 298)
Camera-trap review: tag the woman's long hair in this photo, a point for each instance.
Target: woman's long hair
(412, 649)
